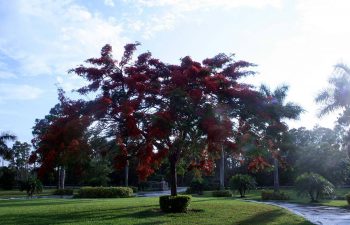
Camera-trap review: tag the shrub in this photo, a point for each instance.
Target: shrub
(222, 193)
(174, 204)
(313, 185)
(7, 178)
(347, 196)
(134, 189)
(63, 192)
(31, 185)
(242, 183)
(270, 195)
(104, 192)
(196, 187)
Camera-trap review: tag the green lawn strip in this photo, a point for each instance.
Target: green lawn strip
(145, 211)
(295, 198)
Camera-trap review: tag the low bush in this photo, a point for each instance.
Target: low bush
(222, 193)
(313, 185)
(347, 196)
(63, 192)
(242, 183)
(174, 204)
(196, 187)
(266, 195)
(134, 189)
(104, 192)
(270, 195)
(31, 185)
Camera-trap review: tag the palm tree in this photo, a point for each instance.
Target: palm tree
(277, 111)
(5, 151)
(337, 95)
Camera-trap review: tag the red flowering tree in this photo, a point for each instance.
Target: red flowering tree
(59, 139)
(156, 110)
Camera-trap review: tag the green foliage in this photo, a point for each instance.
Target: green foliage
(242, 183)
(174, 204)
(196, 187)
(7, 178)
(347, 196)
(63, 192)
(314, 185)
(32, 186)
(134, 189)
(222, 193)
(270, 195)
(98, 172)
(321, 145)
(104, 192)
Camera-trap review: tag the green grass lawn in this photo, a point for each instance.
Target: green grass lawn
(145, 211)
(17, 193)
(295, 198)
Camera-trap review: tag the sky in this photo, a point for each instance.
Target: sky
(293, 42)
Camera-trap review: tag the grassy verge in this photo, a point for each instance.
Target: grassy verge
(145, 211)
(295, 198)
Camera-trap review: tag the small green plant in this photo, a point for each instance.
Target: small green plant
(31, 185)
(270, 195)
(222, 193)
(242, 183)
(314, 185)
(63, 192)
(347, 197)
(196, 187)
(174, 204)
(104, 192)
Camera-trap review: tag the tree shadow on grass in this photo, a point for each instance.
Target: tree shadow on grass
(111, 215)
(266, 218)
(30, 203)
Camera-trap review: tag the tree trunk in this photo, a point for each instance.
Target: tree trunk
(127, 173)
(276, 182)
(61, 177)
(222, 169)
(173, 175)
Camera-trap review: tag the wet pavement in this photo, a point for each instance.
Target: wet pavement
(159, 193)
(323, 215)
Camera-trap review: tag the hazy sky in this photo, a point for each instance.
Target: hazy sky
(293, 42)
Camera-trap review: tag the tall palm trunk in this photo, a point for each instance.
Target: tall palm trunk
(127, 173)
(173, 175)
(222, 169)
(61, 177)
(276, 182)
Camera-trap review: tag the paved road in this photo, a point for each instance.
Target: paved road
(323, 215)
(159, 193)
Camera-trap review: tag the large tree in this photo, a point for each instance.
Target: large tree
(59, 139)
(274, 133)
(156, 110)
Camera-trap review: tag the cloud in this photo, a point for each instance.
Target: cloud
(19, 92)
(168, 13)
(51, 37)
(109, 3)
(7, 75)
(191, 5)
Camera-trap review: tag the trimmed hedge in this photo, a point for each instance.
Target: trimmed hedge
(104, 192)
(222, 193)
(63, 192)
(267, 195)
(174, 204)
